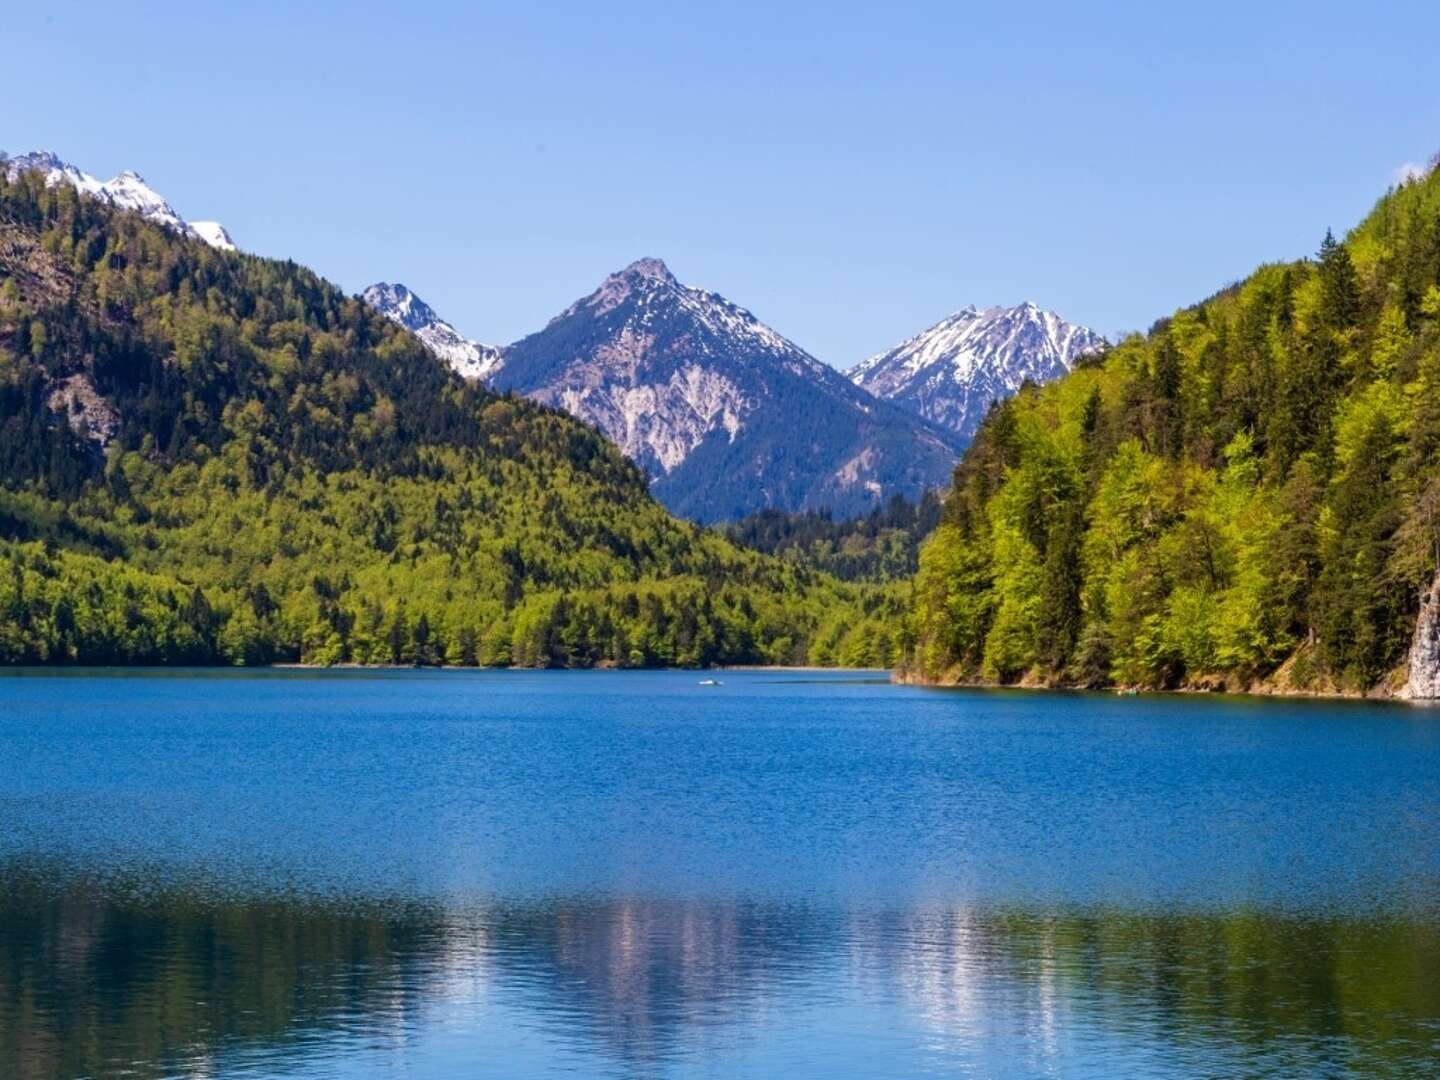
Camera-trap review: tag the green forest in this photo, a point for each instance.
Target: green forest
(210, 457)
(1247, 496)
(883, 545)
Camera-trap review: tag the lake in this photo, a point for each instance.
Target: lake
(625, 874)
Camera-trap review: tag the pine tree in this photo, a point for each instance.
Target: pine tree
(1340, 288)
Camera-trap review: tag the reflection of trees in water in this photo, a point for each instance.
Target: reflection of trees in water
(93, 985)
(90, 980)
(1274, 994)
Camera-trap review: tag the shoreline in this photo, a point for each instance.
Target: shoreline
(1254, 690)
(896, 676)
(295, 665)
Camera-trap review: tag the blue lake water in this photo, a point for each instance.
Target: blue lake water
(606, 874)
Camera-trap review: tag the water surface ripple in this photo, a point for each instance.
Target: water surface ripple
(438, 874)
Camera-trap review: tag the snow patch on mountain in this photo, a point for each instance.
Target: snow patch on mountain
(214, 234)
(129, 191)
(470, 359)
(952, 372)
(649, 285)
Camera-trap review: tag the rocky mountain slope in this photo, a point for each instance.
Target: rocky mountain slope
(128, 191)
(726, 415)
(704, 396)
(469, 359)
(951, 372)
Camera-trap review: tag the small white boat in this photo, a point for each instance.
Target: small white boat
(711, 682)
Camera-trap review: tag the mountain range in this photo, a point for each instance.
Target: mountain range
(207, 456)
(725, 415)
(128, 191)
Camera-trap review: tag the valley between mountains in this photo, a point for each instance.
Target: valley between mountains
(724, 414)
(728, 417)
(211, 456)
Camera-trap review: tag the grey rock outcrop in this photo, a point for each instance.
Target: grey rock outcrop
(1424, 681)
(89, 414)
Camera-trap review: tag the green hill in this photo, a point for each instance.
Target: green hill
(213, 457)
(1246, 495)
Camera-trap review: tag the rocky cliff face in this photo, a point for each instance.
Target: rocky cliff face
(1424, 681)
(39, 280)
(89, 414)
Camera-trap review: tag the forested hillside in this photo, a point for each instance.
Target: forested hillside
(883, 545)
(208, 456)
(1247, 495)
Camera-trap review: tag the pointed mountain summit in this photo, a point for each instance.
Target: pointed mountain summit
(128, 191)
(726, 415)
(951, 372)
(469, 359)
(648, 267)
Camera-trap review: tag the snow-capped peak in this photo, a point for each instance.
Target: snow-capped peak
(651, 293)
(400, 305)
(723, 413)
(470, 359)
(952, 372)
(128, 191)
(214, 234)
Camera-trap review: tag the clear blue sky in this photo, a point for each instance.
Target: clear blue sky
(849, 174)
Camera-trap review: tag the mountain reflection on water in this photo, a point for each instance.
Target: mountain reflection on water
(101, 979)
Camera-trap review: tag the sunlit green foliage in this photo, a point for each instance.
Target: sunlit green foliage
(1255, 480)
(292, 477)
